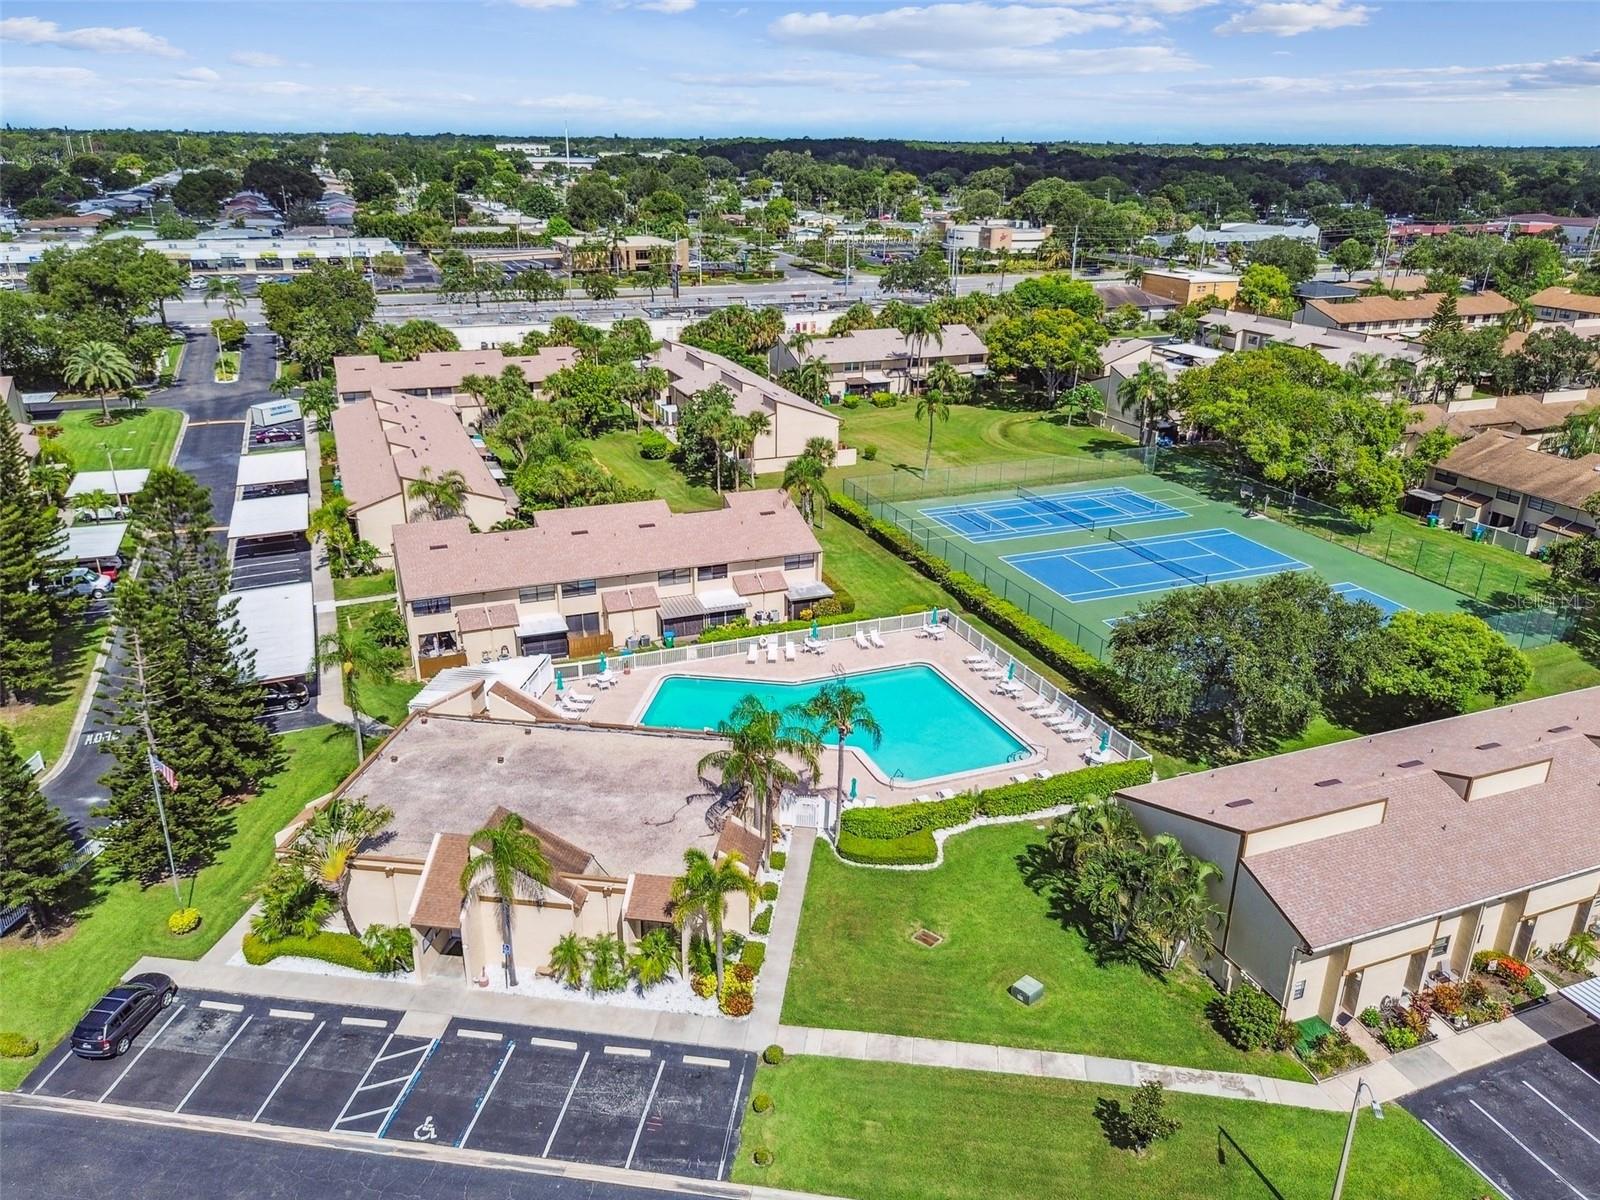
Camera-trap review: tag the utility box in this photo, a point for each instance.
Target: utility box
(274, 412)
(1027, 990)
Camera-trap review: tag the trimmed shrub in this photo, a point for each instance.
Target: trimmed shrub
(1533, 988)
(17, 1045)
(777, 860)
(744, 973)
(1399, 1037)
(734, 1003)
(703, 985)
(761, 1102)
(841, 594)
(1248, 1017)
(763, 922)
(341, 949)
(884, 399)
(185, 920)
(912, 849)
(769, 891)
(772, 1055)
(754, 955)
(851, 401)
(869, 451)
(762, 1157)
(1371, 1017)
(654, 445)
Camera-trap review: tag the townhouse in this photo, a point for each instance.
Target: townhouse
(1402, 318)
(1534, 415)
(1563, 305)
(582, 580)
(1121, 359)
(1362, 870)
(1183, 286)
(1235, 331)
(1504, 481)
(437, 376)
(792, 421)
(883, 360)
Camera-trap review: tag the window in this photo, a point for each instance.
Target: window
(536, 593)
(720, 571)
(1541, 505)
(1507, 494)
(1447, 477)
(429, 608)
(1440, 948)
(672, 578)
(583, 623)
(1300, 989)
(577, 587)
(799, 562)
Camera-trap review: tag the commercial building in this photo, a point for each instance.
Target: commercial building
(1246, 233)
(234, 252)
(883, 360)
(1504, 481)
(636, 252)
(1564, 305)
(1359, 871)
(392, 441)
(1017, 237)
(1185, 287)
(1401, 318)
(437, 376)
(580, 580)
(791, 420)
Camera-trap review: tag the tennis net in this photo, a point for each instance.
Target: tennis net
(1052, 505)
(1149, 555)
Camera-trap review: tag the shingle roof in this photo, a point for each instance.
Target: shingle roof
(692, 370)
(438, 899)
(1565, 297)
(630, 599)
(445, 558)
(386, 443)
(444, 368)
(1414, 308)
(738, 838)
(876, 345)
(755, 583)
(1527, 413)
(486, 616)
(1510, 461)
(650, 899)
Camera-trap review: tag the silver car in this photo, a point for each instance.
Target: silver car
(81, 581)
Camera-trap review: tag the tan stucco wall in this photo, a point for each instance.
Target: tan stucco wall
(1385, 946)
(375, 523)
(381, 893)
(1380, 979)
(1554, 926)
(1362, 816)
(1552, 895)
(1260, 939)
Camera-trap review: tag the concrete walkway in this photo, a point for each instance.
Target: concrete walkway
(768, 1013)
(1427, 1065)
(330, 680)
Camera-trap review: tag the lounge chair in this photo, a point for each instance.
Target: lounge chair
(1098, 756)
(981, 663)
(945, 794)
(973, 660)
(1044, 773)
(992, 673)
(788, 652)
(1048, 713)
(1019, 779)
(1035, 706)
(877, 642)
(816, 645)
(923, 799)
(1076, 734)
(1007, 687)
(861, 641)
(772, 652)
(752, 654)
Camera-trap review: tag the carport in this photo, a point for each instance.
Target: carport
(124, 485)
(270, 516)
(278, 466)
(1586, 995)
(279, 629)
(94, 545)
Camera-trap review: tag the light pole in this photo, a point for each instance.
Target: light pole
(1350, 1133)
(112, 466)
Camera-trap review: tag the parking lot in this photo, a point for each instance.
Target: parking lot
(650, 1106)
(1531, 1123)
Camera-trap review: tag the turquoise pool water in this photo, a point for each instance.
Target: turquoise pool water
(930, 727)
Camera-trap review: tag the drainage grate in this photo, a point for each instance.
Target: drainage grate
(927, 937)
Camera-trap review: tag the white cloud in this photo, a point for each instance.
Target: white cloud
(1293, 19)
(593, 105)
(57, 76)
(943, 29)
(890, 82)
(668, 6)
(545, 3)
(255, 58)
(200, 75)
(98, 39)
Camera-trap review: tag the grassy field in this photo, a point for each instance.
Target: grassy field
(44, 726)
(856, 967)
(227, 368)
(47, 987)
(619, 453)
(363, 587)
(168, 364)
(881, 584)
(147, 433)
(385, 699)
(885, 1131)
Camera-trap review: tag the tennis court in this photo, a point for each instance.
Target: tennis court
(1031, 513)
(1354, 593)
(1128, 567)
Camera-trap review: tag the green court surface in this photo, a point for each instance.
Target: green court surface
(1081, 580)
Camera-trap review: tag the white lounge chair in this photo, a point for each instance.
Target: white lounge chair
(973, 660)
(788, 652)
(923, 799)
(1076, 734)
(1097, 756)
(945, 794)
(1019, 779)
(1036, 705)
(877, 642)
(772, 652)
(992, 674)
(1044, 773)
(1007, 687)
(816, 645)
(752, 655)
(861, 641)
(980, 664)
(1050, 712)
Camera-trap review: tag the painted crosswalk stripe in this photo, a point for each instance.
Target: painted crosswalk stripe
(402, 1053)
(221, 1006)
(400, 1097)
(210, 1066)
(629, 1051)
(287, 1070)
(694, 1060)
(376, 1059)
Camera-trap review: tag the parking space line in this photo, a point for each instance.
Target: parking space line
(291, 1014)
(484, 1035)
(402, 1053)
(53, 1071)
(140, 1055)
(645, 1115)
(733, 1123)
(1572, 1120)
(221, 1006)
(245, 1024)
(694, 1060)
(1586, 1075)
(365, 1022)
(371, 1112)
(287, 1070)
(551, 1043)
(383, 1126)
(376, 1059)
(562, 1115)
(483, 1100)
(1462, 1156)
(1524, 1147)
(629, 1051)
(388, 1082)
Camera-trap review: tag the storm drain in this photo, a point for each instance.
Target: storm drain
(927, 937)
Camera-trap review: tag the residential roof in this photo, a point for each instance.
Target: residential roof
(1432, 852)
(445, 558)
(650, 899)
(1413, 308)
(1565, 297)
(437, 903)
(486, 616)
(877, 345)
(1507, 460)
(738, 838)
(444, 368)
(693, 370)
(386, 443)
(1523, 413)
(755, 583)
(1115, 295)
(1336, 345)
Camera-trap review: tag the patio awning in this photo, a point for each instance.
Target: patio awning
(1424, 494)
(816, 590)
(539, 624)
(1566, 526)
(678, 608)
(723, 600)
(1586, 995)
(487, 616)
(1463, 496)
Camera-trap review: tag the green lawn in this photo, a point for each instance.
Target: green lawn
(856, 967)
(619, 453)
(385, 699)
(148, 433)
(47, 988)
(170, 361)
(361, 587)
(44, 726)
(227, 368)
(881, 584)
(1559, 667)
(885, 1131)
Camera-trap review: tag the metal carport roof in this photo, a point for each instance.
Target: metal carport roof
(280, 627)
(281, 466)
(269, 515)
(94, 541)
(1586, 995)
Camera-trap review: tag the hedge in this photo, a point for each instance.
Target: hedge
(341, 949)
(754, 955)
(911, 850)
(899, 821)
(1061, 653)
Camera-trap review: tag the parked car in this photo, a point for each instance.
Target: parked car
(98, 516)
(272, 435)
(82, 581)
(260, 491)
(287, 696)
(108, 1029)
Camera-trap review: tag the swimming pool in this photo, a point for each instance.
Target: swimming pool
(930, 727)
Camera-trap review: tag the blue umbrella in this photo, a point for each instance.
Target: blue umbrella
(1011, 669)
(558, 681)
(1105, 740)
(852, 787)
(815, 627)
(602, 662)
(933, 616)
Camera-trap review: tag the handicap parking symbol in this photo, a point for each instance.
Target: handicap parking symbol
(425, 1132)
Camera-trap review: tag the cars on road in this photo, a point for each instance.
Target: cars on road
(108, 1029)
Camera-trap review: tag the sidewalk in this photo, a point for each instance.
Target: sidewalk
(1427, 1065)
(780, 940)
(330, 680)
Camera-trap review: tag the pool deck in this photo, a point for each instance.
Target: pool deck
(624, 703)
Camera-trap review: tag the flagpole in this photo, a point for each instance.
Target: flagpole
(150, 759)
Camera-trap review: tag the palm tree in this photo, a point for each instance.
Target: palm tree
(511, 861)
(840, 707)
(94, 502)
(317, 400)
(1054, 253)
(932, 406)
(805, 481)
(766, 327)
(1147, 393)
(690, 900)
(225, 290)
(748, 431)
(568, 960)
(651, 960)
(331, 522)
(481, 388)
(1521, 316)
(1364, 374)
(357, 656)
(441, 497)
(1002, 259)
(330, 841)
(705, 888)
(918, 326)
(608, 967)
(823, 449)
(101, 368)
(758, 738)
(1182, 914)
(809, 380)
(719, 424)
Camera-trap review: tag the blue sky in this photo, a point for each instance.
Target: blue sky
(1183, 70)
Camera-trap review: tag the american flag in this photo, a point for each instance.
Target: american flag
(168, 775)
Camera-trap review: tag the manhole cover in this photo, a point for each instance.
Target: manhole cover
(927, 937)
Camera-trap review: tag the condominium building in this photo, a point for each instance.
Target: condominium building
(1502, 480)
(1564, 305)
(1235, 331)
(1401, 318)
(1185, 287)
(437, 376)
(585, 579)
(391, 442)
(636, 252)
(1359, 871)
(882, 360)
(791, 420)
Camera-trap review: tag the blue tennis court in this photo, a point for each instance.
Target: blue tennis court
(1354, 592)
(1029, 514)
(1123, 567)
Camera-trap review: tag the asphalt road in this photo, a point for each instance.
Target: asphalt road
(53, 1154)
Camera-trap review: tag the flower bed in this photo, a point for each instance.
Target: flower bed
(1326, 1051)
(1400, 1027)
(1506, 980)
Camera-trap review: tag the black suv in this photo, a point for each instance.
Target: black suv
(108, 1029)
(286, 697)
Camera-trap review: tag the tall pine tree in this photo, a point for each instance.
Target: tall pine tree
(31, 547)
(36, 851)
(196, 695)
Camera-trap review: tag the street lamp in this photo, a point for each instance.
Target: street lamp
(1350, 1133)
(112, 466)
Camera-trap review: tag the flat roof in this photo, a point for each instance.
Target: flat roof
(269, 515)
(95, 541)
(118, 483)
(279, 628)
(280, 466)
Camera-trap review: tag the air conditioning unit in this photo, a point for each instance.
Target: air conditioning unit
(1026, 990)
